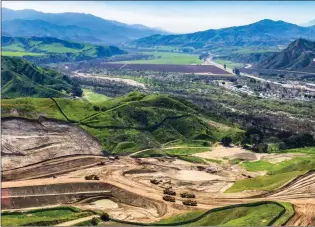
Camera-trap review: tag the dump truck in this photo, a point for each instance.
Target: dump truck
(190, 202)
(169, 198)
(169, 192)
(187, 195)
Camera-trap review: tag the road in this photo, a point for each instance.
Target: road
(211, 62)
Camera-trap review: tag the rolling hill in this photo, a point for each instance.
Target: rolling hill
(299, 56)
(19, 78)
(261, 33)
(71, 26)
(126, 124)
(56, 50)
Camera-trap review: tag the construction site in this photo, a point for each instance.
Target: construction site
(143, 190)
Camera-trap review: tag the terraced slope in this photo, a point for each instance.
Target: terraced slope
(126, 124)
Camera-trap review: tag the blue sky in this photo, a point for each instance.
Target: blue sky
(181, 16)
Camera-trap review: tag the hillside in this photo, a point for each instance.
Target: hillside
(264, 33)
(56, 50)
(19, 78)
(126, 124)
(71, 26)
(299, 55)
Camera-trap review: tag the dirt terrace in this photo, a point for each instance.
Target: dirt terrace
(26, 142)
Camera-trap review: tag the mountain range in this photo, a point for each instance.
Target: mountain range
(310, 23)
(71, 26)
(57, 50)
(299, 56)
(262, 33)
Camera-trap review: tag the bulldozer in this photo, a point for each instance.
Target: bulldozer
(190, 202)
(169, 198)
(169, 192)
(187, 195)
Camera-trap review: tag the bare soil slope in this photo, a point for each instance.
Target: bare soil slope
(25, 142)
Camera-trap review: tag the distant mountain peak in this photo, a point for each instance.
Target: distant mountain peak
(89, 28)
(297, 56)
(265, 32)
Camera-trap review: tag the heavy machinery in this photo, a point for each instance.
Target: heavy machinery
(92, 177)
(190, 202)
(155, 181)
(169, 198)
(187, 195)
(169, 192)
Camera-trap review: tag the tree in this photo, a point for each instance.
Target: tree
(236, 71)
(105, 217)
(96, 108)
(76, 90)
(226, 141)
(94, 221)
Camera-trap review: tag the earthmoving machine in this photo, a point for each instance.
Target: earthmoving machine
(169, 192)
(187, 195)
(92, 177)
(155, 181)
(190, 202)
(169, 198)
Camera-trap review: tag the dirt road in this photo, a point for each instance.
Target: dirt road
(76, 221)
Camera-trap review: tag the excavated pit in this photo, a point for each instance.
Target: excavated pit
(65, 193)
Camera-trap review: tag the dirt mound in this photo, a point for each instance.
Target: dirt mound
(25, 142)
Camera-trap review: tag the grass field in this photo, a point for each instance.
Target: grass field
(255, 215)
(20, 53)
(192, 159)
(94, 97)
(172, 152)
(168, 58)
(277, 174)
(48, 216)
(306, 150)
(265, 183)
(125, 124)
(295, 164)
(180, 153)
(229, 64)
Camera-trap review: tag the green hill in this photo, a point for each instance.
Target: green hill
(20, 78)
(126, 124)
(55, 50)
(299, 55)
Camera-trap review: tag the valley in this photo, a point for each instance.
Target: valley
(107, 123)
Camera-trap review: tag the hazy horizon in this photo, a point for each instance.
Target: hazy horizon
(180, 17)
